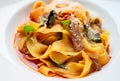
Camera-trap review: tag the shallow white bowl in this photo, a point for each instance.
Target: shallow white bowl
(10, 54)
(4, 3)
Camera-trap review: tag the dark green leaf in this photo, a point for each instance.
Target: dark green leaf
(92, 34)
(86, 27)
(58, 65)
(51, 18)
(96, 38)
(61, 66)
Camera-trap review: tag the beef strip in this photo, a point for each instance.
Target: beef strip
(76, 36)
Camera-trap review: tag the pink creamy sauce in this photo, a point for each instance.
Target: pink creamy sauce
(31, 64)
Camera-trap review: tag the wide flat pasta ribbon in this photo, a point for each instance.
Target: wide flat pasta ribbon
(76, 69)
(35, 48)
(97, 51)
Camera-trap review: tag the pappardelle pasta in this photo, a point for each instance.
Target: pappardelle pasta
(63, 39)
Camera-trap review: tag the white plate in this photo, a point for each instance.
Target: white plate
(28, 74)
(4, 3)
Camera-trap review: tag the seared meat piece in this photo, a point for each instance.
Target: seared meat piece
(76, 34)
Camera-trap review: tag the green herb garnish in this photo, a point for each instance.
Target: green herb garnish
(61, 66)
(27, 30)
(65, 22)
(58, 65)
(51, 18)
(96, 38)
(91, 34)
(86, 28)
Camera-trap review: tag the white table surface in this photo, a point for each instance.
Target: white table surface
(112, 6)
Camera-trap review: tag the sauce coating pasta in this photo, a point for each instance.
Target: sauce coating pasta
(63, 39)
